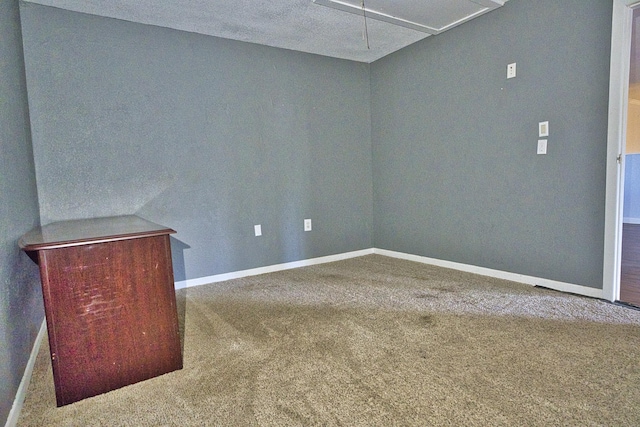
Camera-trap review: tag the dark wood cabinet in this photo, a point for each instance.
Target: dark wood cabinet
(109, 302)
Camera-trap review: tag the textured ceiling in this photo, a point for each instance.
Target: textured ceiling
(302, 25)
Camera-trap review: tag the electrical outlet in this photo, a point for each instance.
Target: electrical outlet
(511, 70)
(257, 229)
(307, 225)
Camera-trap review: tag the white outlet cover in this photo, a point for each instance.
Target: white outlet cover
(511, 70)
(257, 229)
(307, 225)
(542, 146)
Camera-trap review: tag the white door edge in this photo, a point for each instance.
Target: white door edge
(618, 99)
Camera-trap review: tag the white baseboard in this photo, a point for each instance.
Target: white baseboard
(629, 220)
(269, 269)
(14, 414)
(498, 274)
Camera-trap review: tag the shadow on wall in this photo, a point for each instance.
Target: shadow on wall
(24, 316)
(177, 258)
(179, 274)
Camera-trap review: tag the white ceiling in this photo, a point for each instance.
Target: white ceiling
(333, 28)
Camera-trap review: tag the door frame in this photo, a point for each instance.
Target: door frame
(616, 141)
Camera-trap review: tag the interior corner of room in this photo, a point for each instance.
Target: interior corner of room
(411, 143)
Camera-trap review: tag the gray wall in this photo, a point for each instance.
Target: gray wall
(211, 136)
(204, 135)
(456, 175)
(21, 309)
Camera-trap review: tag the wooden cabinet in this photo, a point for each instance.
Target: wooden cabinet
(109, 302)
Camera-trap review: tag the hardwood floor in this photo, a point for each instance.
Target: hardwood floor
(630, 266)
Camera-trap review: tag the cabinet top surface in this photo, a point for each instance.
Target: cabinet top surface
(88, 231)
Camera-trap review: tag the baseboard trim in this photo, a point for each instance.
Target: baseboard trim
(270, 269)
(498, 274)
(16, 408)
(629, 220)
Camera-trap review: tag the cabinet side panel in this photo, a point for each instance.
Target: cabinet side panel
(115, 320)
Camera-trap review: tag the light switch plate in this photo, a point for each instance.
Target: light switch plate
(542, 146)
(543, 129)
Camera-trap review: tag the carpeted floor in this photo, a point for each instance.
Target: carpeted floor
(375, 341)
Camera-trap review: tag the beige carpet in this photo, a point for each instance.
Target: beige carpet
(375, 341)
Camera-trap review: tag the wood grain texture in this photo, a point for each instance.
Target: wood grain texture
(630, 266)
(111, 315)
